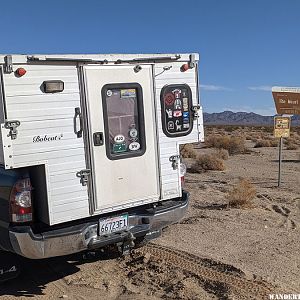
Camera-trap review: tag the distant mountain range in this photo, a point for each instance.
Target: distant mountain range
(241, 118)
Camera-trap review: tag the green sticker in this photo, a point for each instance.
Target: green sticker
(117, 148)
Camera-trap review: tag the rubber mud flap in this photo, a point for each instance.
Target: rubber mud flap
(9, 266)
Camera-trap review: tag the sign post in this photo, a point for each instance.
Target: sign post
(282, 127)
(287, 102)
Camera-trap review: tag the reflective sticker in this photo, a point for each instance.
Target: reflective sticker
(178, 126)
(108, 93)
(185, 101)
(117, 148)
(186, 120)
(187, 125)
(120, 138)
(169, 113)
(134, 146)
(170, 125)
(128, 93)
(186, 114)
(169, 99)
(177, 104)
(177, 113)
(133, 133)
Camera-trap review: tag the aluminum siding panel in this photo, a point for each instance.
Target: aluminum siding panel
(43, 114)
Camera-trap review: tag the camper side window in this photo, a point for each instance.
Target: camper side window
(176, 110)
(124, 120)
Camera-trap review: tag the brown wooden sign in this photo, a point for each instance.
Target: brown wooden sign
(287, 100)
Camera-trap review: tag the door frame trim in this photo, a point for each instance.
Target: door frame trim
(87, 138)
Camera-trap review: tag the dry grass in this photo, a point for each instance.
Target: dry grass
(188, 151)
(233, 144)
(291, 146)
(266, 143)
(221, 153)
(207, 162)
(242, 194)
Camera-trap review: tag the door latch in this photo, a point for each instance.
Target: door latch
(174, 159)
(98, 138)
(12, 126)
(84, 176)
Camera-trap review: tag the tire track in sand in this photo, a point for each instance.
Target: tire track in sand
(250, 289)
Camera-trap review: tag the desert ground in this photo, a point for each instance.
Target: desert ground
(221, 249)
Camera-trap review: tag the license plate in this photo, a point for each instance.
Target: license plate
(115, 224)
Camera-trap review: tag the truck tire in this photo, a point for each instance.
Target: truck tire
(9, 266)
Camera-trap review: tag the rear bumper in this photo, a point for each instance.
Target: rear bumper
(147, 223)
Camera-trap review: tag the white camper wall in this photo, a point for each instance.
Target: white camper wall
(1, 117)
(42, 114)
(169, 146)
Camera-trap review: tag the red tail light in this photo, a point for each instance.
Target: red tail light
(20, 201)
(182, 180)
(182, 172)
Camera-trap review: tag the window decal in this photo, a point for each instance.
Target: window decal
(176, 105)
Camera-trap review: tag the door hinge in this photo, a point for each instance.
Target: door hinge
(8, 65)
(195, 110)
(175, 159)
(84, 176)
(12, 126)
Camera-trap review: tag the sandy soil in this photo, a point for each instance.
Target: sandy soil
(215, 252)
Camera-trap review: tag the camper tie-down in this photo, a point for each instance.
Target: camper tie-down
(89, 149)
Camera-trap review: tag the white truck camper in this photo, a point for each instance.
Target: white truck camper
(89, 149)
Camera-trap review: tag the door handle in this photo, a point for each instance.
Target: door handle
(78, 128)
(98, 138)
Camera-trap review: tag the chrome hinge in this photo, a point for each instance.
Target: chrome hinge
(8, 66)
(12, 126)
(174, 159)
(195, 110)
(192, 61)
(84, 176)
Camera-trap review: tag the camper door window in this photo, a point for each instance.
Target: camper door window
(176, 110)
(124, 120)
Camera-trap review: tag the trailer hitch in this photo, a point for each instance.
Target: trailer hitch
(127, 245)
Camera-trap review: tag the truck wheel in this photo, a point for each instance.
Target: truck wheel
(9, 266)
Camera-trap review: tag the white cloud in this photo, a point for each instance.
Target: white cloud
(265, 88)
(211, 87)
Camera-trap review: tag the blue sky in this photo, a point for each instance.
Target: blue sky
(245, 46)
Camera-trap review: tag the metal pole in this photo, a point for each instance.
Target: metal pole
(280, 161)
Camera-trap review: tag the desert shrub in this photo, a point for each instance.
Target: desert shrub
(221, 153)
(266, 143)
(188, 151)
(231, 128)
(274, 142)
(262, 143)
(233, 144)
(242, 194)
(207, 162)
(269, 129)
(291, 146)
